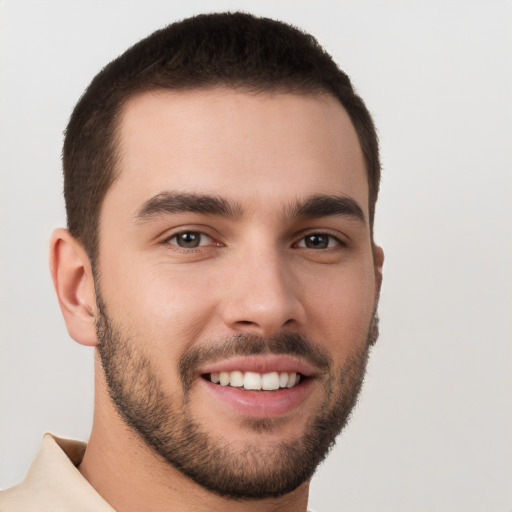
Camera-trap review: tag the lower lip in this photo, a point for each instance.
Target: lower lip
(260, 404)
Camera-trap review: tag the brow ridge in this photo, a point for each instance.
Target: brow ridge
(328, 205)
(178, 202)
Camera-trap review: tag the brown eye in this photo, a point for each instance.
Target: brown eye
(318, 241)
(190, 239)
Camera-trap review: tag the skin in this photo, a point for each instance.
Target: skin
(252, 274)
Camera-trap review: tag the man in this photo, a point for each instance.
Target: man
(220, 180)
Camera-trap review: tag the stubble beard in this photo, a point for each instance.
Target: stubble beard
(166, 425)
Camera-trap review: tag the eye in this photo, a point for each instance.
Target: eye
(189, 239)
(319, 241)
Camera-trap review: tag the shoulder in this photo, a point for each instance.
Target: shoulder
(53, 482)
(16, 500)
(42, 480)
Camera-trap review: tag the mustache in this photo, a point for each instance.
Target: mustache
(247, 345)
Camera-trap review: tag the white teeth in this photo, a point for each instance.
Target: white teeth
(237, 379)
(252, 380)
(256, 381)
(270, 381)
(291, 380)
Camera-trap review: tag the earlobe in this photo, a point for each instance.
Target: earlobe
(71, 272)
(378, 260)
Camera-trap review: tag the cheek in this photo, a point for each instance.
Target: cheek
(341, 308)
(167, 307)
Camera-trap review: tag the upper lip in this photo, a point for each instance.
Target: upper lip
(261, 363)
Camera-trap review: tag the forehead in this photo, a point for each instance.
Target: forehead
(265, 148)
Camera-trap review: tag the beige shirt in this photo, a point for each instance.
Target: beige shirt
(53, 482)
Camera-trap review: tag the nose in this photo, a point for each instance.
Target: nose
(263, 295)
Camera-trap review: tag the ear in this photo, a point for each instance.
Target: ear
(71, 272)
(378, 261)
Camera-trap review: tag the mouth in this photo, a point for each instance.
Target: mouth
(259, 386)
(254, 381)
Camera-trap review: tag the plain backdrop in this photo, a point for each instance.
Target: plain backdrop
(433, 428)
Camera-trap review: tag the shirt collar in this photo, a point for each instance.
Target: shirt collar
(55, 483)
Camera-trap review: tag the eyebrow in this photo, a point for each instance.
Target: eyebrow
(330, 205)
(175, 202)
(178, 202)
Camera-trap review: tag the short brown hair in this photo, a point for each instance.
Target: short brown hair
(234, 50)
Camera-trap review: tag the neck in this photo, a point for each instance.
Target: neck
(131, 477)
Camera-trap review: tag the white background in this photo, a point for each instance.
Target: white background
(433, 429)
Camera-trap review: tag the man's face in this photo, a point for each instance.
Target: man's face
(236, 282)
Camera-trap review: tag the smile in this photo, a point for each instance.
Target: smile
(255, 381)
(259, 386)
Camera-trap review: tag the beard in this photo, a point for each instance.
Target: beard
(167, 426)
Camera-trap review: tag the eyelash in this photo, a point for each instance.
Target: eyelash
(200, 234)
(302, 243)
(318, 234)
